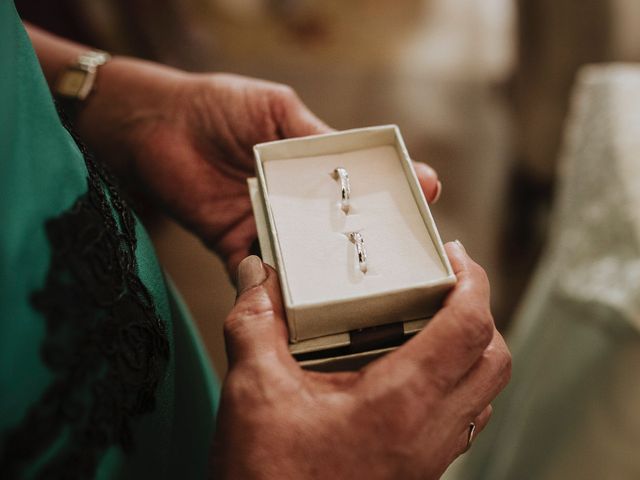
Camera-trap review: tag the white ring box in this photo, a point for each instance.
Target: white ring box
(339, 317)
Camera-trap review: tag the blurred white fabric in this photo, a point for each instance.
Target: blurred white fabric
(571, 411)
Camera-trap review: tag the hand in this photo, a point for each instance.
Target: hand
(405, 415)
(185, 140)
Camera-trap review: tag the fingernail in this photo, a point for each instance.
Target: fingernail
(251, 272)
(459, 244)
(438, 192)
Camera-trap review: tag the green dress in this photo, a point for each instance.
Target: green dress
(102, 375)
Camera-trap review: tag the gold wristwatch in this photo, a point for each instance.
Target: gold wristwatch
(76, 83)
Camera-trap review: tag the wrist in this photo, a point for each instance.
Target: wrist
(77, 81)
(129, 98)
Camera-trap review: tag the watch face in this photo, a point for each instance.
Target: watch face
(71, 83)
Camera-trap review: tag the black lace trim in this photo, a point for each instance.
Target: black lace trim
(105, 344)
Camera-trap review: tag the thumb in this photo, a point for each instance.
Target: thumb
(255, 329)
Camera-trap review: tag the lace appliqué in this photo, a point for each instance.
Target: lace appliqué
(105, 344)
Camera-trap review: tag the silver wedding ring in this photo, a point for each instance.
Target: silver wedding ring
(341, 174)
(358, 241)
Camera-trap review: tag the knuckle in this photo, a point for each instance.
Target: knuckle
(500, 357)
(476, 323)
(480, 275)
(238, 321)
(478, 270)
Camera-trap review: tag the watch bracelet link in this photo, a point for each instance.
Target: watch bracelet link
(77, 81)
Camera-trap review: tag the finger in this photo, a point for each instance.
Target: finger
(296, 120)
(255, 329)
(455, 338)
(487, 377)
(429, 182)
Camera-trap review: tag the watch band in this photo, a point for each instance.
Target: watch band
(77, 81)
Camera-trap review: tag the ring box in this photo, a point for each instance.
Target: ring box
(339, 317)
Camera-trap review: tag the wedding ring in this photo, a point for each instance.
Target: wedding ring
(358, 241)
(341, 174)
(472, 431)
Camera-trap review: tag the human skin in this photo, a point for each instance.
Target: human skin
(405, 415)
(185, 140)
